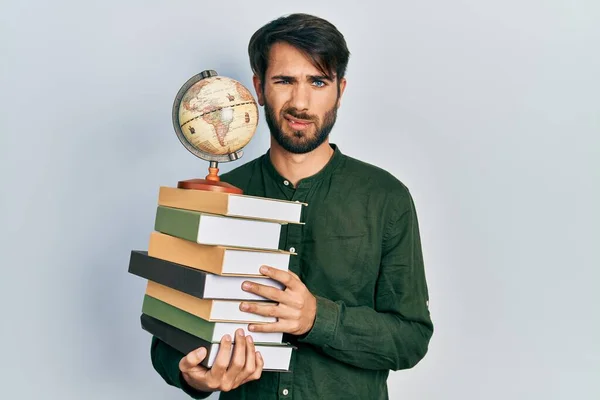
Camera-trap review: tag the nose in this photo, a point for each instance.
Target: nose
(300, 97)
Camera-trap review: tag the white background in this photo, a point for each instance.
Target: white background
(489, 111)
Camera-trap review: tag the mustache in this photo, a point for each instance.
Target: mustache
(300, 115)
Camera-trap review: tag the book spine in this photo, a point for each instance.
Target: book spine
(176, 338)
(178, 277)
(185, 252)
(194, 200)
(178, 318)
(179, 223)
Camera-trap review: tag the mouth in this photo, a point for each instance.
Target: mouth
(297, 124)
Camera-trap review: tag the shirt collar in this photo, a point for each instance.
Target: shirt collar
(325, 172)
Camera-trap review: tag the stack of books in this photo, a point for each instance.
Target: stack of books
(204, 246)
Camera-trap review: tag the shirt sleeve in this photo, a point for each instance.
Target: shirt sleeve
(395, 334)
(165, 361)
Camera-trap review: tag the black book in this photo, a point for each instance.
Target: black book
(276, 356)
(195, 282)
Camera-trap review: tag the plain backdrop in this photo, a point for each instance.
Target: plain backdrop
(489, 111)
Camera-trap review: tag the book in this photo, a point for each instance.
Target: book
(194, 282)
(218, 260)
(208, 309)
(275, 357)
(212, 229)
(210, 331)
(236, 205)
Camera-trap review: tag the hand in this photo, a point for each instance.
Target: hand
(297, 307)
(245, 365)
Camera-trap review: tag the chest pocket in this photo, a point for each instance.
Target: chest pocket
(336, 261)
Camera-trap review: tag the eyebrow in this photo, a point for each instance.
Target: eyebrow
(293, 79)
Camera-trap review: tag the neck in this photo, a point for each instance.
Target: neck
(296, 167)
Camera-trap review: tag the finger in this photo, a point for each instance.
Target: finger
(222, 359)
(192, 359)
(269, 292)
(280, 326)
(269, 310)
(285, 277)
(293, 274)
(250, 364)
(238, 358)
(260, 363)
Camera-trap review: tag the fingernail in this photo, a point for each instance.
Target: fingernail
(249, 339)
(251, 327)
(201, 352)
(240, 332)
(243, 306)
(246, 285)
(227, 338)
(264, 270)
(258, 354)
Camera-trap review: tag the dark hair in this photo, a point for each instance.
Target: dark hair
(317, 38)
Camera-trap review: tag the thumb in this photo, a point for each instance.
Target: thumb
(192, 359)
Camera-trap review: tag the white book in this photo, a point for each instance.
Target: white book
(215, 259)
(229, 310)
(230, 287)
(276, 358)
(236, 261)
(199, 327)
(237, 205)
(229, 328)
(211, 229)
(207, 309)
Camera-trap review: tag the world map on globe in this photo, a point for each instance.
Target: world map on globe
(218, 115)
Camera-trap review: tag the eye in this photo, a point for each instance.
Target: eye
(319, 83)
(283, 82)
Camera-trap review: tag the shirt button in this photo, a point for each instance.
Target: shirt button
(292, 249)
(286, 182)
(285, 392)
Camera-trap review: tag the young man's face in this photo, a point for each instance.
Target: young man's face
(300, 103)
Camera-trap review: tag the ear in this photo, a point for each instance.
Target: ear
(258, 89)
(342, 88)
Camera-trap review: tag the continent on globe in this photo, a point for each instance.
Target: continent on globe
(191, 98)
(243, 92)
(220, 119)
(217, 115)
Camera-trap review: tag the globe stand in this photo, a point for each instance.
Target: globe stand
(212, 182)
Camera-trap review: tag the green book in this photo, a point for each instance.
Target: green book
(209, 331)
(212, 229)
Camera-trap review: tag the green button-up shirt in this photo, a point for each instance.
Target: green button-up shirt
(359, 254)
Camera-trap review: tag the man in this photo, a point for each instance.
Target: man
(356, 299)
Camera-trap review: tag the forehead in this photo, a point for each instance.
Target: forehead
(285, 59)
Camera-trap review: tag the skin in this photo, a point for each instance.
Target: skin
(245, 365)
(293, 89)
(304, 96)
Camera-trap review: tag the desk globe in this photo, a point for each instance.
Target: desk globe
(214, 118)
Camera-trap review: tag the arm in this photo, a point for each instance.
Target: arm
(396, 333)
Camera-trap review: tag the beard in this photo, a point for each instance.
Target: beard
(300, 142)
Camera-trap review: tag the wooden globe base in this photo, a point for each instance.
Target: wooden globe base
(212, 183)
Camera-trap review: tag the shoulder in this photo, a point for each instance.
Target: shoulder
(386, 193)
(377, 181)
